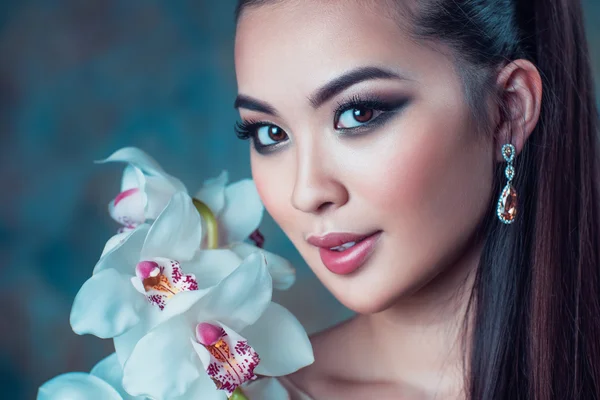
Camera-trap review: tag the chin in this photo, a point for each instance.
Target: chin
(377, 285)
(365, 299)
(365, 305)
(370, 292)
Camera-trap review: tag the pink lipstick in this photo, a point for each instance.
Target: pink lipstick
(343, 253)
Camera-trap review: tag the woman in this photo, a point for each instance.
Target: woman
(435, 163)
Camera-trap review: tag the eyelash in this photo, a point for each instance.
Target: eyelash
(248, 129)
(369, 103)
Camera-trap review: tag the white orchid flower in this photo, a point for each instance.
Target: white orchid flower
(230, 213)
(238, 211)
(236, 206)
(136, 283)
(145, 188)
(218, 344)
(104, 382)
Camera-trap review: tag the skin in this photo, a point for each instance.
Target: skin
(423, 176)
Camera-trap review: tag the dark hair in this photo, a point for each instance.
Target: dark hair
(536, 299)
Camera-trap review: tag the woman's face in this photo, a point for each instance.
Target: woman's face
(357, 129)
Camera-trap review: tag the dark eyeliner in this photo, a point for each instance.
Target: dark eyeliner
(248, 130)
(388, 109)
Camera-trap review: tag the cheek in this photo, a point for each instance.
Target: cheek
(432, 172)
(436, 182)
(427, 188)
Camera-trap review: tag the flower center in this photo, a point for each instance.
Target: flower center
(162, 279)
(232, 360)
(153, 278)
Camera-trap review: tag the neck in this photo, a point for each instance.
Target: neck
(419, 341)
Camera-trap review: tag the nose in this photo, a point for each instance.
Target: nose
(318, 186)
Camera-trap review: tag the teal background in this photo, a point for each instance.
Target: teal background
(78, 80)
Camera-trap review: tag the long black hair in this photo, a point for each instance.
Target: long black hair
(536, 298)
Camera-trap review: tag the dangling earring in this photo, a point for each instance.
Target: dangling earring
(507, 203)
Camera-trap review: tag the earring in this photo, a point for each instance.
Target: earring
(507, 203)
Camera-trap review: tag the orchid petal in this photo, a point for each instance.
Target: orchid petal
(158, 191)
(203, 389)
(137, 158)
(281, 342)
(243, 210)
(179, 304)
(114, 241)
(240, 298)
(281, 270)
(152, 317)
(266, 389)
(125, 343)
(106, 305)
(163, 364)
(132, 178)
(212, 193)
(125, 255)
(77, 386)
(138, 285)
(128, 208)
(212, 266)
(176, 233)
(110, 371)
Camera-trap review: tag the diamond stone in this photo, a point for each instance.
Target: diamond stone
(507, 204)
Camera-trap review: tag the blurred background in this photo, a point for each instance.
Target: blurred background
(78, 80)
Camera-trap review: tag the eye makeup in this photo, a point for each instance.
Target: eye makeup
(249, 129)
(382, 109)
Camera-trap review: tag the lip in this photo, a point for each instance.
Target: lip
(337, 239)
(347, 261)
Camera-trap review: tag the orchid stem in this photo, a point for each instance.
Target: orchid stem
(212, 228)
(238, 394)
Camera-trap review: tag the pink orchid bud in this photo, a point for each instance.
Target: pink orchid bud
(128, 208)
(124, 195)
(208, 334)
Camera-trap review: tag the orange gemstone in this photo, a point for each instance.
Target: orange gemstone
(507, 204)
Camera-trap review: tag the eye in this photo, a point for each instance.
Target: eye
(265, 136)
(268, 135)
(355, 117)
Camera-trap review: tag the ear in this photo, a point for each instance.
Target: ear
(520, 88)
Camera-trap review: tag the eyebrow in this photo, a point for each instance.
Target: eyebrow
(250, 103)
(326, 92)
(348, 79)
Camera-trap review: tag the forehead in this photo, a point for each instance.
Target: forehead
(314, 40)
